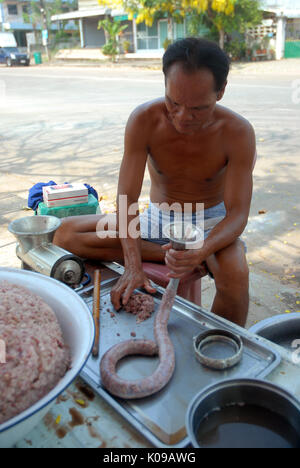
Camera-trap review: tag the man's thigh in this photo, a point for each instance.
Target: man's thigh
(93, 223)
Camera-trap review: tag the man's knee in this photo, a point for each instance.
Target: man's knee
(231, 270)
(76, 231)
(64, 236)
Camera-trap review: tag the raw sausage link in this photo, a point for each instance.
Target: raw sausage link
(163, 347)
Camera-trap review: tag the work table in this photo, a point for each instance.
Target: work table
(80, 418)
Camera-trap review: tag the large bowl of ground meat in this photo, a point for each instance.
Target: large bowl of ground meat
(46, 336)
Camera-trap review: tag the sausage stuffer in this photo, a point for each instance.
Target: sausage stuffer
(183, 236)
(36, 251)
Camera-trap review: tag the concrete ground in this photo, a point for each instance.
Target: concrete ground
(66, 123)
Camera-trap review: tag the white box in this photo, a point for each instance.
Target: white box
(64, 195)
(66, 202)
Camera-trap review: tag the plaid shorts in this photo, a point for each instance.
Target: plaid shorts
(153, 219)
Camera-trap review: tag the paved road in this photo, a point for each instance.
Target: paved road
(67, 124)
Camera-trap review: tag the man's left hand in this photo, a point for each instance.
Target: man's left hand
(182, 262)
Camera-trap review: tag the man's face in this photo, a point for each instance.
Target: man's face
(190, 98)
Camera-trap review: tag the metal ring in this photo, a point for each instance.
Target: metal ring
(213, 338)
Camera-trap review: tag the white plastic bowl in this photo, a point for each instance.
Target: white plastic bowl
(78, 329)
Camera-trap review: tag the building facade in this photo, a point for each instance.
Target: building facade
(16, 16)
(87, 16)
(283, 16)
(143, 38)
(286, 13)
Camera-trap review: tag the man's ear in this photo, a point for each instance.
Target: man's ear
(220, 93)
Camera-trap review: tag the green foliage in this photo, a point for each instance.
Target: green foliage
(51, 8)
(194, 24)
(166, 43)
(62, 38)
(247, 14)
(198, 25)
(109, 49)
(236, 49)
(113, 30)
(222, 16)
(126, 45)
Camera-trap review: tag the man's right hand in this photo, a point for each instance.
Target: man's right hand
(131, 280)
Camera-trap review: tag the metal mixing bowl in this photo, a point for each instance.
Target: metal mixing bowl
(241, 392)
(78, 329)
(283, 329)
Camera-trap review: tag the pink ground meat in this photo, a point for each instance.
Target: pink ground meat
(141, 305)
(36, 356)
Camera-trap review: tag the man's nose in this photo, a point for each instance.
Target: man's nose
(184, 114)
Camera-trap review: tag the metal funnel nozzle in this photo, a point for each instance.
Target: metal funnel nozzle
(33, 231)
(184, 235)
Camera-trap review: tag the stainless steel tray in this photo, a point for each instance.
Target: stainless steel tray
(161, 417)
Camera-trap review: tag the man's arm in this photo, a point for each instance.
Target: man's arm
(131, 178)
(241, 150)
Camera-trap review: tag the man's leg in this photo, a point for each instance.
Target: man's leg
(78, 235)
(231, 273)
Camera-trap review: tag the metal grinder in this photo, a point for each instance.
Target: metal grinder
(36, 251)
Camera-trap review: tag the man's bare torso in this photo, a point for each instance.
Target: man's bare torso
(188, 168)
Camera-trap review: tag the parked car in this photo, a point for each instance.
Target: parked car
(12, 56)
(9, 52)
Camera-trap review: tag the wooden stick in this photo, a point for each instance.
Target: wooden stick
(96, 311)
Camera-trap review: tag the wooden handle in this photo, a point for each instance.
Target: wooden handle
(96, 311)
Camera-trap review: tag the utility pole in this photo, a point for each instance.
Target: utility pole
(2, 17)
(45, 28)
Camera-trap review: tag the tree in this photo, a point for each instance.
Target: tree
(223, 15)
(149, 10)
(113, 30)
(246, 14)
(146, 11)
(40, 11)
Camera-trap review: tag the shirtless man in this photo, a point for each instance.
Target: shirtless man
(197, 152)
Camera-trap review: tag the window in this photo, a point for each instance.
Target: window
(26, 10)
(179, 30)
(12, 9)
(147, 37)
(293, 30)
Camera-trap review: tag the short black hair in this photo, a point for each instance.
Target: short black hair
(196, 53)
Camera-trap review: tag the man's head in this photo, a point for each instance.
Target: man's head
(196, 72)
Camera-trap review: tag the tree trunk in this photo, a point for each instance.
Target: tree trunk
(222, 38)
(170, 29)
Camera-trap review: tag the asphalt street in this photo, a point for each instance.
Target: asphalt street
(67, 124)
